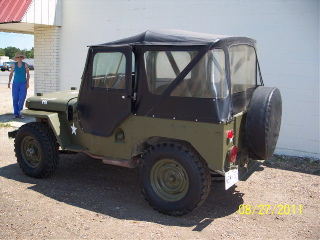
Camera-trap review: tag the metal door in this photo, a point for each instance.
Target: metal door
(105, 94)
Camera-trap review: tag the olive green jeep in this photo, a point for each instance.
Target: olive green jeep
(178, 105)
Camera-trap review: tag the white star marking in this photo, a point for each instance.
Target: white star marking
(73, 129)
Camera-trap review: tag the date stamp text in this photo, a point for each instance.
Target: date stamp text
(266, 209)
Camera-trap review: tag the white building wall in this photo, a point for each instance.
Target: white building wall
(46, 12)
(4, 59)
(287, 32)
(47, 58)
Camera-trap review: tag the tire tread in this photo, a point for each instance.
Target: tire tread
(200, 166)
(49, 141)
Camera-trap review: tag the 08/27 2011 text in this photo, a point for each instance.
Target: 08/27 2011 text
(267, 209)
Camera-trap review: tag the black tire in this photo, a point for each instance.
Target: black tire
(174, 179)
(263, 122)
(36, 150)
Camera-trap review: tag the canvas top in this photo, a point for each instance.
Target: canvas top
(171, 37)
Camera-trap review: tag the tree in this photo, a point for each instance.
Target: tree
(2, 52)
(10, 51)
(30, 54)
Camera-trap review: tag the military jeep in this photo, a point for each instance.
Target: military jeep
(178, 105)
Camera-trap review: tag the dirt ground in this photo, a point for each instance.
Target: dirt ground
(87, 199)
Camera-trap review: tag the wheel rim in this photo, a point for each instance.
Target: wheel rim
(169, 180)
(31, 152)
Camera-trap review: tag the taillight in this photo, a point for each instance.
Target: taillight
(233, 154)
(230, 135)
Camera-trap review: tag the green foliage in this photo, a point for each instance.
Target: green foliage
(10, 52)
(30, 54)
(2, 52)
(5, 124)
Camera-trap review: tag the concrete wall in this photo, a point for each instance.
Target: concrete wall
(287, 32)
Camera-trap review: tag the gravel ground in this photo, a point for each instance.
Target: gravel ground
(87, 199)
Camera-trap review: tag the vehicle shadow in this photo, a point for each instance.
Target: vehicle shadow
(114, 191)
(8, 117)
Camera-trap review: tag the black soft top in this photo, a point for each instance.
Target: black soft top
(176, 37)
(217, 110)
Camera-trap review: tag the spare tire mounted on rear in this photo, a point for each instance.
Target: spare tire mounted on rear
(263, 122)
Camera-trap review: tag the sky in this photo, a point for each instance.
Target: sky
(18, 40)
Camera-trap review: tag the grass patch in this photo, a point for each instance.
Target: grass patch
(5, 124)
(297, 164)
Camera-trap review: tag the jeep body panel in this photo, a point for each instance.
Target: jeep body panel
(56, 101)
(57, 122)
(202, 136)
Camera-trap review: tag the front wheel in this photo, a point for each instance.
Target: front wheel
(174, 179)
(36, 150)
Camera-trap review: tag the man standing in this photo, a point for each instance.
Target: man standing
(20, 83)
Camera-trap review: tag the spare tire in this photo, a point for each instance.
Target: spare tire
(263, 122)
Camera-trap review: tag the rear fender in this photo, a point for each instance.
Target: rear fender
(54, 120)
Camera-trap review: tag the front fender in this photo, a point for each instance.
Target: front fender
(55, 121)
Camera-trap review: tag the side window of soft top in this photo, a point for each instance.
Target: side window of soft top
(162, 67)
(109, 70)
(243, 67)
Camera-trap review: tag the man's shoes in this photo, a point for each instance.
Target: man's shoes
(14, 116)
(21, 116)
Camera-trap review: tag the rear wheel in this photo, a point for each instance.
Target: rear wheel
(36, 150)
(174, 179)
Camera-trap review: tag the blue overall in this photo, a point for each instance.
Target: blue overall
(19, 90)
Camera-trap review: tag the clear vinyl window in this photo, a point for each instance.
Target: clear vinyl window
(109, 70)
(243, 65)
(208, 78)
(162, 67)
